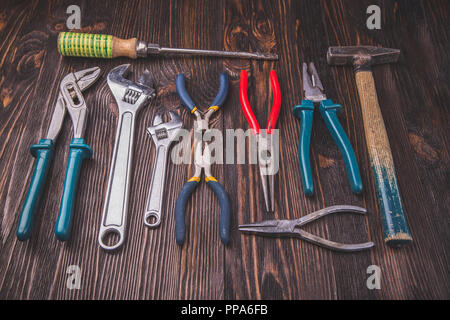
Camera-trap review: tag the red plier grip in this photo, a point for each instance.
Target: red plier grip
(245, 105)
(248, 112)
(276, 106)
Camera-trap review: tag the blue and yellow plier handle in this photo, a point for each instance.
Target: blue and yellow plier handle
(183, 197)
(189, 104)
(314, 93)
(202, 162)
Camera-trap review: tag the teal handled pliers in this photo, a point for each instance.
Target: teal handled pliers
(313, 93)
(70, 99)
(202, 161)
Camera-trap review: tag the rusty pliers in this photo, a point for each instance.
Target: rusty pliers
(291, 228)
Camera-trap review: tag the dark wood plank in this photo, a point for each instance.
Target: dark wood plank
(413, 97)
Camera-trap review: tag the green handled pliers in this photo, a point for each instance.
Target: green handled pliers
(313, 93)
(70, 99)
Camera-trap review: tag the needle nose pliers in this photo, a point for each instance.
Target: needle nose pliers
(313, 93)
(70, 99)
(264, 138)
(202, 162)
(291, 228)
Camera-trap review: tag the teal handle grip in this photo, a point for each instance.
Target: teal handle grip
(43, 152)
(329, 111)
(305, 112)
(78, 152)
(395, 226)
(180, 210)
(225, 209)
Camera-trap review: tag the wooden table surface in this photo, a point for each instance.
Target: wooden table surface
(413, 94)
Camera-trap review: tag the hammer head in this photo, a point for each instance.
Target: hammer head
(361, 57)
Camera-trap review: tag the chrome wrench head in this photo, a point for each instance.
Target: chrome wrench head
(130, 95)
(163, 134)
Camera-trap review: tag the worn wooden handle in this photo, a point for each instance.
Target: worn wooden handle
(396, 230)
(95, 45)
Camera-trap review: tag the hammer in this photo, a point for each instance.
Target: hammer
(396, 230)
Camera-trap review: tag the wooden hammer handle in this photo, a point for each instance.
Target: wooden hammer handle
(95, 45)
(396, 231)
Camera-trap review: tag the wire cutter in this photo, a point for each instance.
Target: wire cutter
(264, 137)
(202, 161)
(70, 99)
(314, 92)
(291, 228)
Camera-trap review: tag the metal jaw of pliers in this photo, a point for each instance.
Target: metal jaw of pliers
(312, 86)
(265, 164)
(70, 99)
(202, 160)
(291, 228)
(314, 92)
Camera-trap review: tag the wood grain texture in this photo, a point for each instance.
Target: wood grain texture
(124, 47)
(413, 97)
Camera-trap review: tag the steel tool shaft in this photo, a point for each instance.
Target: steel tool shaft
(107, 46)
(212, 53)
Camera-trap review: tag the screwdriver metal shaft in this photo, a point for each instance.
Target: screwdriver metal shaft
(107, 46)
(151, 49)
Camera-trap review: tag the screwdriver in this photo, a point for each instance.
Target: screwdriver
(107, 46)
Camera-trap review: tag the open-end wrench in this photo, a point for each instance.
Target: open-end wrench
(130, 97)
(163, 134)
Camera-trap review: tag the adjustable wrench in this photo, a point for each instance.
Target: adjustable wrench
(163, 134)
(130, 97)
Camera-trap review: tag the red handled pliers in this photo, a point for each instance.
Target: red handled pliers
(264, 138)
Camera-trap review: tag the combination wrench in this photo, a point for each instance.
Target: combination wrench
(130, 97)
(163, 134)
